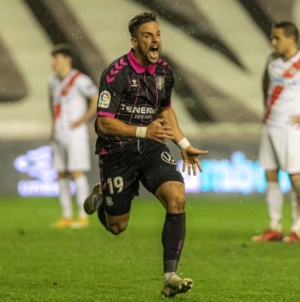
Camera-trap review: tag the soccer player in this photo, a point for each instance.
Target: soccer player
(69, 90)
(135, 117)
(280, 142)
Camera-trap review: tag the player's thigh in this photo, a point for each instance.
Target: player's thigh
(171, 195)
(79, 158)
(120, 183)
(267, 154)
(59, 157)
(161, 176)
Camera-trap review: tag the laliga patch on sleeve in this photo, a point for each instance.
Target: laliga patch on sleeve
(104, 99)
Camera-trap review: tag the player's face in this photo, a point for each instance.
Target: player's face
(148, 43)
(280, 41)
(60, 63)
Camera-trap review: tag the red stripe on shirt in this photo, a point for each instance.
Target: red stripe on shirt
(274, 97)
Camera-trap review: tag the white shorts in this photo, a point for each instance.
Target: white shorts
(71, 156)
(280, 149)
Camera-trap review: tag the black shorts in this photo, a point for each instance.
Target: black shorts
(150, 163)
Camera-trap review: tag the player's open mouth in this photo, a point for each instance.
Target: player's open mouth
(153, 53)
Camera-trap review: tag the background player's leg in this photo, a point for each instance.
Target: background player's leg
(274, 200)
(294, 236)
(294, 206)
(65, 200)
(82, 190)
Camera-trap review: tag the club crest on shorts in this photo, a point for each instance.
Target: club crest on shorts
(104, 99)
(166, 157)
(160, 82)
(108, 201)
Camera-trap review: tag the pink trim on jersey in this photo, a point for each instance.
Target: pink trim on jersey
(137, 66)
(107, 114)
(165, 108)
(103, 152)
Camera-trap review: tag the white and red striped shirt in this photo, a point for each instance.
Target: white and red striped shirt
(69, 102)
(283, 100)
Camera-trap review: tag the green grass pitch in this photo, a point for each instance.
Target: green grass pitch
(38, 263)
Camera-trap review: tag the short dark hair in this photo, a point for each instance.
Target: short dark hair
(138, 20)
(289, 29)
(64, 49)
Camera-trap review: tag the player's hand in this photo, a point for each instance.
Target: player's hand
(158, 132)
(76, 124)
(191, 160)
(295, 119)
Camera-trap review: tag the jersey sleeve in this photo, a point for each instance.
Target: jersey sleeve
(111, 90)
(87, 86)
(169, 83)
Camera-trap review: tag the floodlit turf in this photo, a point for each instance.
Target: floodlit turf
(38, 263)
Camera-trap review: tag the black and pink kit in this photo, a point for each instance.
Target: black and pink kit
(133, 94)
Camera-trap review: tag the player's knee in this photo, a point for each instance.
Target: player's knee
(118, 228)
(63, 174)
(176, 205)
(295, 179)
(76, 174)
(272, 175)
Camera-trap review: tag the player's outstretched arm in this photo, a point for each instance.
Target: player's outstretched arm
(189, 153)
(154, 130)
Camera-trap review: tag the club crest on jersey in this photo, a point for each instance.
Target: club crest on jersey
(104, 99)
(160, 82)
(109, 201)
(166, 157)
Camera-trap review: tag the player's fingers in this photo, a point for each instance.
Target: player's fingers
(199, 165)
(164, 131)
(190, 168)
(202, 151)
(159, 121)
(165, 127)
(160, 141)
(194, 169)
(184, 166)
(165, 135)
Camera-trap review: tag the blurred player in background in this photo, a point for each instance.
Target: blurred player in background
(134, 119)
(280, 143)
(69, 90)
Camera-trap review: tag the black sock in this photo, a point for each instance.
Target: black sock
(101, 215)
(172, 239)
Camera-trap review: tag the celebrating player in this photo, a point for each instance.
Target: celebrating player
(134, 119)
(69, 90)
(280, 142)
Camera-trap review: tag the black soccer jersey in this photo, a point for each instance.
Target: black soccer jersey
(133, 94)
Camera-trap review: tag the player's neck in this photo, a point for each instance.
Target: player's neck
(140, 58)
(290, 53)
(64, 72)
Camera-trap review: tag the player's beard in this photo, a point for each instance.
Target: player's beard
(149, 56)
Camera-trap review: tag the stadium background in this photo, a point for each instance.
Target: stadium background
(217, 50)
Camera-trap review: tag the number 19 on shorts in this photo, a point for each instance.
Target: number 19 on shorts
(115, 184)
